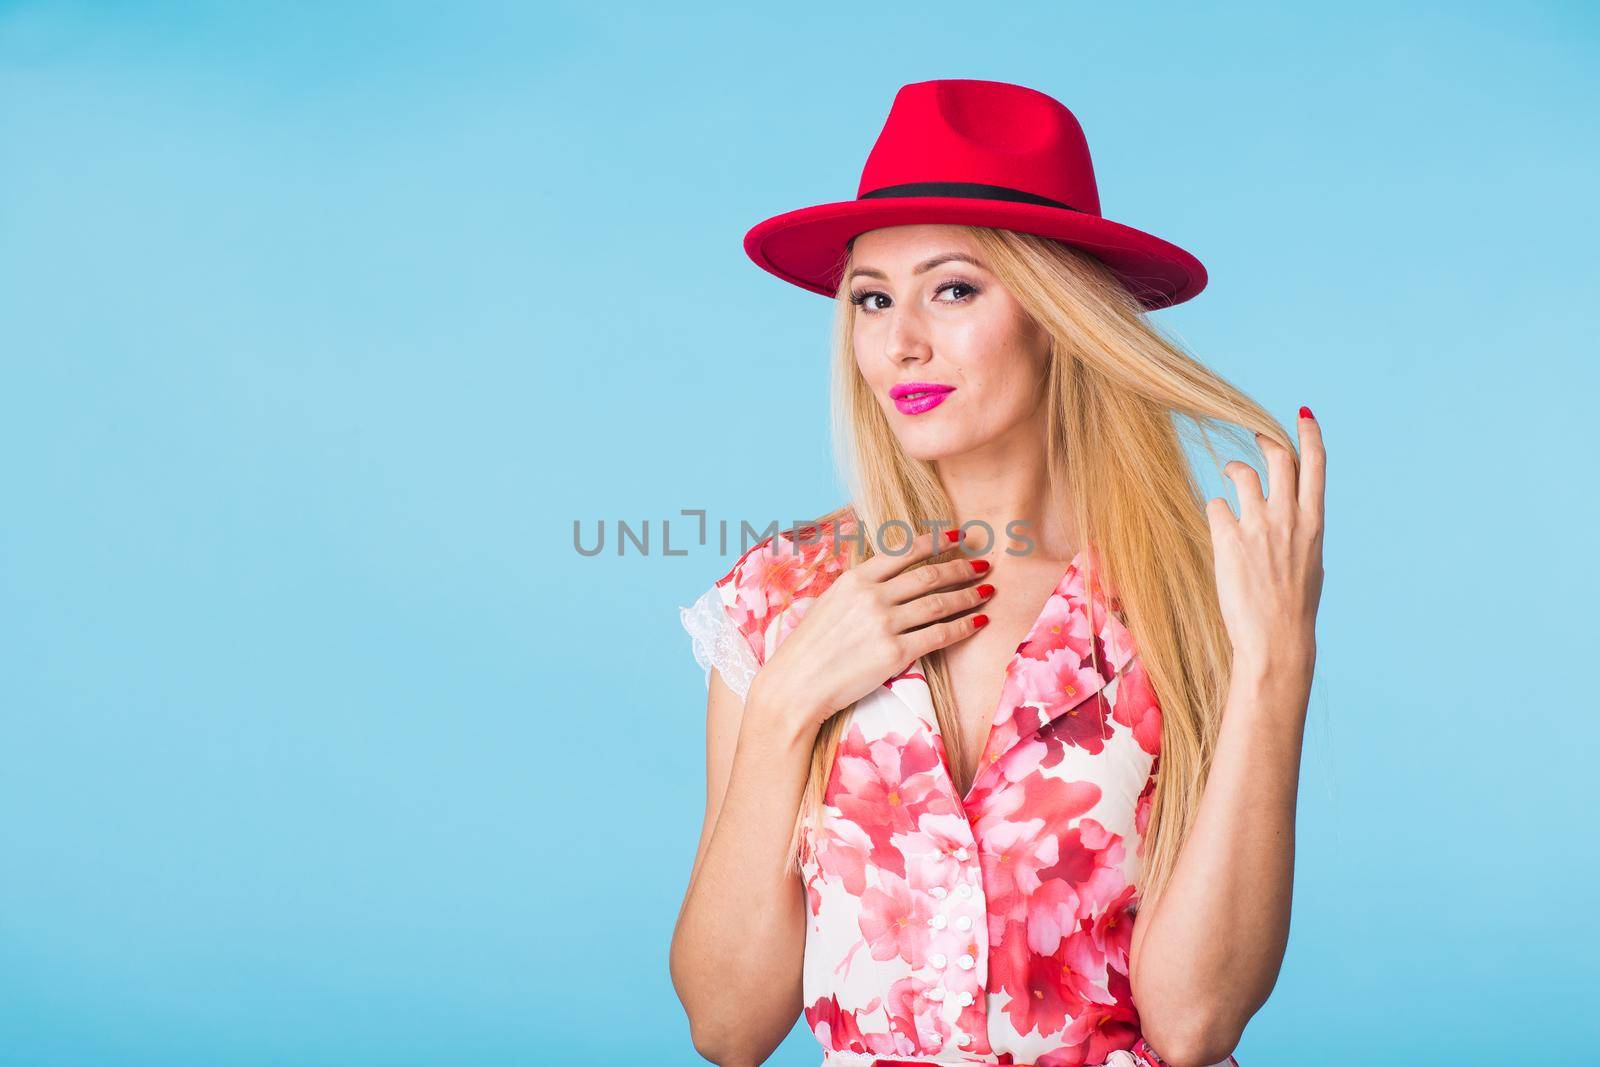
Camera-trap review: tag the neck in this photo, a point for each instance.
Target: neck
(1007, 481)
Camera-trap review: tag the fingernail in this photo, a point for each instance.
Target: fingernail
(980, 566)
(986, 590)
(952, 535)
(979, 620)
(1305, 412)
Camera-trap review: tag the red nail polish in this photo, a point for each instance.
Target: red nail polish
(1305, 412)
(980, 566)
(952, 535)
(986, 590)
(979, 620)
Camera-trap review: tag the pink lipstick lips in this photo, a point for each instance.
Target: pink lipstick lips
(913, 398)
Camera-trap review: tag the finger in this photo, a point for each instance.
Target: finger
(1282, 498)
(944, 634)
(937, 605)
(1247, 483)
(1313, 466)
(919, 581)
(886, 563)
(1220, 515)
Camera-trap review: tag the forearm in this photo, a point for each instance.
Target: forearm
(1217, 936)
(738, 949)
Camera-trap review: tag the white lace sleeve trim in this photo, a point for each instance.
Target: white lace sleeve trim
(718, 643)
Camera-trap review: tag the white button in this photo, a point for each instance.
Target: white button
(965, 999)
(938, 959)
(938, 892)
(963, 923)
(964, 1039)
(935, 993)
(938, 921)
(966, 962)
(964, 889)
(961, 853)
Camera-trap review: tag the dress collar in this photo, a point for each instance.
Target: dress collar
(1051, 681)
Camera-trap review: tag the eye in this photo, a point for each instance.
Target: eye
(955, 283)
(860, 297)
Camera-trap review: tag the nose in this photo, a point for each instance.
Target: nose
(906, 343)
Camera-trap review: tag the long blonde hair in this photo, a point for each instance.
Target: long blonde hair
(1117, 388)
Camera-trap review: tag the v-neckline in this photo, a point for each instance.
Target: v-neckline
(1000, 707)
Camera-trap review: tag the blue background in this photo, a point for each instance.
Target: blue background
(320, 325)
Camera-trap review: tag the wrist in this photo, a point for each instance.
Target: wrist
(1277, 680)
(1286, 665)
(774, 707)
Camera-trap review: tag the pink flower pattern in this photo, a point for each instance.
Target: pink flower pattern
(992, 928)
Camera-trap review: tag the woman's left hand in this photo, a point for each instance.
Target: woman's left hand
(1269, 559)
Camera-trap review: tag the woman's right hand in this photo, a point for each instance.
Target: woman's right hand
(874, 620)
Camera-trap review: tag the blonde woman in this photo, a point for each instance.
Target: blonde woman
(1002, 756)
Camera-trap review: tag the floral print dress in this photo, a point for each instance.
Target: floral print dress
(990, 928)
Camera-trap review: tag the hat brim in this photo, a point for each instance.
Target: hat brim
(807, 246)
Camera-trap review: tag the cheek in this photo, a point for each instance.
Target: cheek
(874, 375)
(1004, 379)
(1010, 371)
(1002, 401)
(1003, 398)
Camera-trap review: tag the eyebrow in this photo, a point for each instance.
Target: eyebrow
(923, 267)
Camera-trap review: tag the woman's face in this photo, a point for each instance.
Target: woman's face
(928, 313)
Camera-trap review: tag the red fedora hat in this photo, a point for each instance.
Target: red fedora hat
(976, 153)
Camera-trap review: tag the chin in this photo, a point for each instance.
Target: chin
(931, 449)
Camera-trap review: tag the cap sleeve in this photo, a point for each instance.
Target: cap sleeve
(724, 631)
(718, 643)
(739, 622)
